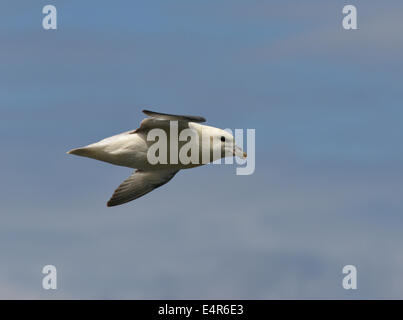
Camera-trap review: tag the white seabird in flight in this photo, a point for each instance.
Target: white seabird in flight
(130, 149)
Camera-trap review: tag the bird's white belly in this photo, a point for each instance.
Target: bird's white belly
(128, 150)
(125, 149)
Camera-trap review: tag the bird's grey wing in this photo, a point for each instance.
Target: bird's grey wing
(148, 124)
(166, 116)
(138, 184)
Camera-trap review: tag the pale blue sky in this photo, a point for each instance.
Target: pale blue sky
(326, 106)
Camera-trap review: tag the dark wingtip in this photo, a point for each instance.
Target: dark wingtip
(109, 204)
(174, 116)
(148, 112)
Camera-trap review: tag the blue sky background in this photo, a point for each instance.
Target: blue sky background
(327, 108)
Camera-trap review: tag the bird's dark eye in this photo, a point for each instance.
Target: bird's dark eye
(223, 139)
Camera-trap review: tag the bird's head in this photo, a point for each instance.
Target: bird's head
(222, 143)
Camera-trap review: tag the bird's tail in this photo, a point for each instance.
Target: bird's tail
(83, 152)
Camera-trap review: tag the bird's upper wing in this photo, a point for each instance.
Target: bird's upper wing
(162, 121)
(166, 116)
(138, 184)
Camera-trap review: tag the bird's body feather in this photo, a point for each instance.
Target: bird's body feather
(131, 149)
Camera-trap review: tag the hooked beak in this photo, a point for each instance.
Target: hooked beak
(239, 153)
